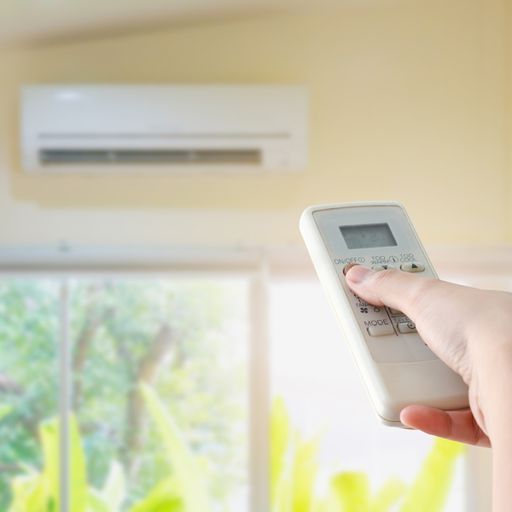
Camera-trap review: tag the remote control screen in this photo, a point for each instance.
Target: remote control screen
(364, 236)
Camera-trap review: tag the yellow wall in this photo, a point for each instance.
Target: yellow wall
(408, 102)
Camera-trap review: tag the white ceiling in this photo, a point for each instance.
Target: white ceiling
(25, 21)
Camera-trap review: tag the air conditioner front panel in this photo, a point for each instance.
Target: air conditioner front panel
(222, 120)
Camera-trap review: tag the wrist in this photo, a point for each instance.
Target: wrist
(493, 388)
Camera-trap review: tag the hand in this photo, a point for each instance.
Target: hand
(467, 328)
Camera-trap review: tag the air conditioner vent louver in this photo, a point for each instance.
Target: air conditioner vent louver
(150, 156)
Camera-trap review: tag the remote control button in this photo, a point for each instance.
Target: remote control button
(395, 312)
(380, 330)
(412, 267)
(406, 327)
(347, 267)
(378, 268)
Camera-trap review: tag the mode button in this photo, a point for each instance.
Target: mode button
(380, 330)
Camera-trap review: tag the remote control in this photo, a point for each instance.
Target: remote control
(397, 367)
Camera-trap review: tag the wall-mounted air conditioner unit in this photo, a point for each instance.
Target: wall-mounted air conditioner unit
(87, 128)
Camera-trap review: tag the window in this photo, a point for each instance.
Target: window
(313, 371)
(29, 328)
(196, 339)
(157, 370)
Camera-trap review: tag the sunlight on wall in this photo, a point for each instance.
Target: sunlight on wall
(408, 102)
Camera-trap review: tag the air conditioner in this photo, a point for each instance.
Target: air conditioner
(87, 128)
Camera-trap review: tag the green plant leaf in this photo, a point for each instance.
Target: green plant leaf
(280, 438)
(352, 491)
(191, 485)
(114, 490)
(304, 475)
(78, 477)
(48, 488)
(293, 464)
(39, 492)
(162, 498)
(5, 410)
(388, 495)
(430, 489)
(28, 491)
(96, 502)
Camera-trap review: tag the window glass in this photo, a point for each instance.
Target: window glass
(29, 332)
(160, 389)
(314, 375)
(181, 436)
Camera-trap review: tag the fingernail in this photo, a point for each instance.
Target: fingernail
(347, 267)
(358, 273)
(403, 418)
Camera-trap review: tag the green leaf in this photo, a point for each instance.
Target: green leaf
(96, 502)
(293, 463)
(352, 491)
(28, 493)
(78, 477)
(430, 488)
(5, 410)
(114, 490)
(40, 492)
(280, 437)
(162, 498)
(304, 476)
(48, 488)
(388, 496)
(187, 471)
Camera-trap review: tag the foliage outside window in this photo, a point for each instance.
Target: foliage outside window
(184, 339)
(159, 378)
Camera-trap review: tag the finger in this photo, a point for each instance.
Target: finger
(455, 425)
(400, 290)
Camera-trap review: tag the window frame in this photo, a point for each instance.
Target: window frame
(251, 265)
(477, 266)
(484, 267)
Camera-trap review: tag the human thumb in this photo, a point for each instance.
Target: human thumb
(394, 288)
